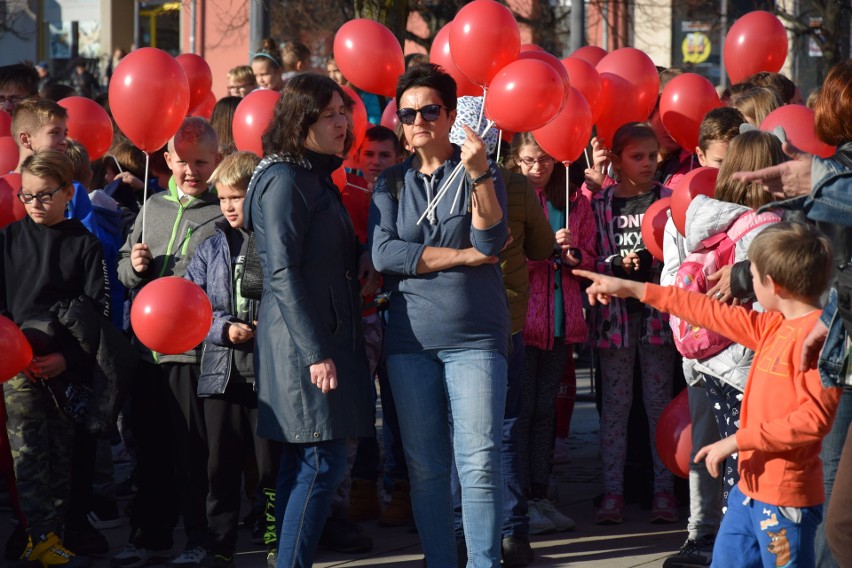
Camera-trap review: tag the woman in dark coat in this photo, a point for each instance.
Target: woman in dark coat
(312, 376)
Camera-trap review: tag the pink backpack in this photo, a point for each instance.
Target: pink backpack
(715, 252)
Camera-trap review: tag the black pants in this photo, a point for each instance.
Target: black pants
(231, 421)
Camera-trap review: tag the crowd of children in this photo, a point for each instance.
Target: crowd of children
(71, 267)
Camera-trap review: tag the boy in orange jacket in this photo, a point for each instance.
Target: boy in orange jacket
(775, 509)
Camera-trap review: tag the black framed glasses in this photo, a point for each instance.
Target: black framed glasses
(44, 197)
(428, 112)
(544, 161)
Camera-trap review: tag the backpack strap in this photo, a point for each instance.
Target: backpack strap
(750, 221)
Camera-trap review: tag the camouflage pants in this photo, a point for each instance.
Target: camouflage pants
(41, 439)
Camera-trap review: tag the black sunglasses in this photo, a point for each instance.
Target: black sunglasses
(429, 113)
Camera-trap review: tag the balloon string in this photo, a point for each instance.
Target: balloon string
(586, 153)
(364, 189)
(145, 194)
(567, 195)
(691, 161)
(482, 108)
(499, 143)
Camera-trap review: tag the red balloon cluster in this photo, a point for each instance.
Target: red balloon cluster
(171, 315)
(585, 78)
(89, 124)
(251, 119)
(11, 208)
(484, 38)
(673, 436)
(8, 154)
(440, 55)
(591, 54)
(17, 353)
(700, 181)
(654, 226)
(149, 97)
(369, 56)
(565, 137)
(798, 124)
(198, 76)
(629, 88)
(756, 42)
(683, 104)
(525, 95)
(205, 109)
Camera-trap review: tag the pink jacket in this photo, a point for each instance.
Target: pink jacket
(538, 331)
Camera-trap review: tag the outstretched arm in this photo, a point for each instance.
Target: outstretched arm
(789, 179)
(604, 287)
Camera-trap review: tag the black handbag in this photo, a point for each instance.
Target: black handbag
(251, 286)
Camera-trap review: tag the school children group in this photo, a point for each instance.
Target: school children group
(574, 271)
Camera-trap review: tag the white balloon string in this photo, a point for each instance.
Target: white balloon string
(482, 108)
(145, 194)
(499, 143)
(461, 185)
(586, 153)
(567, 194)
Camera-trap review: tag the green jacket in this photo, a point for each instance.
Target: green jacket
(532, 238)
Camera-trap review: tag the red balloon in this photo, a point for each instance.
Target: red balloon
(389, 117)
(507, 135)
(17, 353)
(199, 77)
(566, 136)
(440, 55)
(171, 315)
(338, 176)
(5, 123)
(529, 47)
(369, 56)
(359, 117)
(8, 154)
(673, 436)
(639, 71)
(700, 181)
(525, 95)
(756, 42)
(798, 124)
(654, 226)
(205, 109)
(683, 104)
(149, 97)
(251, 118)
(484, 38)
(585, 78)
(11, 208)
(551, 60)
(618, 107)
(89, 124)
(591, 54)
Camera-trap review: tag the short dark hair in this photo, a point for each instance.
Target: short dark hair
(302, 100)
(719, 125)
(797, 256)
(384, 134)
(430, 76)
(779, 83)
(21, 74)
(294, 52)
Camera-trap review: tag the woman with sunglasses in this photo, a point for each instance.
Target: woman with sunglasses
(448, 320)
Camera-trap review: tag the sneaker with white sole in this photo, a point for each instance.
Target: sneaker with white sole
(191, 557)
(135, 556)
(560, 521)
(539, 523)
(693, 554)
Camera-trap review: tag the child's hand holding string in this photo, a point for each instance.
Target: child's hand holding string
(604, 287)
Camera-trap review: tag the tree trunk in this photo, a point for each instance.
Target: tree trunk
(393, 14)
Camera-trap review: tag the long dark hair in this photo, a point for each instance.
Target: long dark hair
(302, 100)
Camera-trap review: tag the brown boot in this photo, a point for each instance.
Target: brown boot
(398, 511)
(363, 501)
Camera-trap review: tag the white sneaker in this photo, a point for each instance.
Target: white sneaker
(539, 523)
(560, 521)
(192, 557)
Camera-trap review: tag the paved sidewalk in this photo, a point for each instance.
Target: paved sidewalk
(635, 543)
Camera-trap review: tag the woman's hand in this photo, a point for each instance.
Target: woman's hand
(47, 366)
(324, 375)
(715, 454)
(238, 332)
(473, 154)
(721, 291)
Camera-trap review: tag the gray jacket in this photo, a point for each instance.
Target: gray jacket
(310, 309)
(172, 232)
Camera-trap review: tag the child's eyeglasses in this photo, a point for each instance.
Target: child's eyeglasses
(44, 197)
(429, 113)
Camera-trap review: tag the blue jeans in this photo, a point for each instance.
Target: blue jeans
(307, 481)
(832, 446)
(467, 387)
(755, 534)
